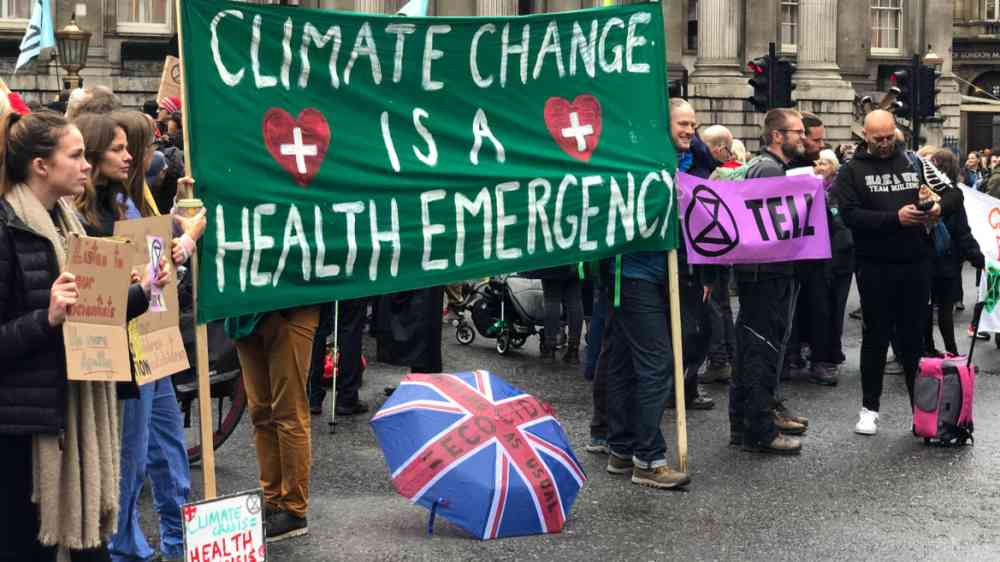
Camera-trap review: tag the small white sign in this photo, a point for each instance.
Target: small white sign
(81, 10)
(225, 529)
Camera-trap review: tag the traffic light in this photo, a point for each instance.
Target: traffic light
(926, 102)
(761, 82)
(901, 80)
(783, 86)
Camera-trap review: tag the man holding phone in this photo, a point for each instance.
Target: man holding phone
(880, 200)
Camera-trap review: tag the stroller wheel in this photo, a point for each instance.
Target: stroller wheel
(517, 342)
(465, 334)
(503, 343)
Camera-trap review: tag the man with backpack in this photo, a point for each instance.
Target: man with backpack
(767, 294)
(891, 214)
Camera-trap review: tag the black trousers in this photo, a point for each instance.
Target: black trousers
(696, 331)
(819, 315)
(762, 330)
(559, 293)
(893, 296)
(722, 350)
(599, 388)
(351, 327)
(19, 519)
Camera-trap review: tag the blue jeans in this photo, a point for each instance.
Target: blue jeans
(153, 444)
(640, 376)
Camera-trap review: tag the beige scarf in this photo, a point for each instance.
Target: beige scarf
(76, 481)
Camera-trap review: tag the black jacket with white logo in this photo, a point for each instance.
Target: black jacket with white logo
(871, 191)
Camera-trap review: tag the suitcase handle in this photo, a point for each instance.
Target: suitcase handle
(977, 314)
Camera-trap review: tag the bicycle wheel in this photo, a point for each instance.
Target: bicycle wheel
(228, 405)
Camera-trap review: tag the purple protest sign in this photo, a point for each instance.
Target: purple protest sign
(753, 221)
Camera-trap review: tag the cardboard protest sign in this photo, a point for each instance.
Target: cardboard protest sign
(170, 80)
(225, 529)
(753, 221)
(94, 331)
(341, 155)
(155, 337)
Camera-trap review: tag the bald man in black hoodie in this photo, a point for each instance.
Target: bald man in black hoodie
(879, 195)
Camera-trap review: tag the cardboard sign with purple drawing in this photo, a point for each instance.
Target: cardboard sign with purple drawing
(94, 332)
(155, 337)
(753, 221)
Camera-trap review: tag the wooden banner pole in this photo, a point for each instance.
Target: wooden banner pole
(205, 416)
(674, 295)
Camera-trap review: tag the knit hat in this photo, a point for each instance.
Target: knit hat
(171, 104)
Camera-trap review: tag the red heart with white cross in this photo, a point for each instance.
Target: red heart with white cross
(298, 145)
(576, 126)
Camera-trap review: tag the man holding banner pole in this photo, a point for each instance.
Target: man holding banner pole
(767, 293)
(640, 354)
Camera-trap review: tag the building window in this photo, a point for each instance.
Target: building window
(887, 20)
(15, 9)
(144, 16)
(991, 11)
(692, 26)
(789, 25)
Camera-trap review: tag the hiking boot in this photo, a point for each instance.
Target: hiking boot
(572, 355)
(662, 477)
(597, 446)
(788, 426)
(795, 367)
(283, 525)
(354, 409)
(701, 401)
(823, 374)
(618, 465)
(716, 373)
(867, 422)
(780, 408)
(780, 445)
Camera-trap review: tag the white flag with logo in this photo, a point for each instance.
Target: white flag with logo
(984, 221)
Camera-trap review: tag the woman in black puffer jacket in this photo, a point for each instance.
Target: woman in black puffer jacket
(946, 273)
(57, 437)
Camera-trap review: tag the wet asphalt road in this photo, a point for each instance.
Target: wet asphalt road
(847, 497)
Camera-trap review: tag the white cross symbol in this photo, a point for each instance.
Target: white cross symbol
(578, 132)
(298, 150)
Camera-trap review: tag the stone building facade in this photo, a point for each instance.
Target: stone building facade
(844, 49)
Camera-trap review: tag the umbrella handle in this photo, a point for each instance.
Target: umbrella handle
(430, 519)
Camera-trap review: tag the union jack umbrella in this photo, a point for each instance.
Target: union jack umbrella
(482, 453)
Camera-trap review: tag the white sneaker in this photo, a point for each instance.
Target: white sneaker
(867, 422)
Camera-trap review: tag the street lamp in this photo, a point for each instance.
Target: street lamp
(72, 43)
(932, 58)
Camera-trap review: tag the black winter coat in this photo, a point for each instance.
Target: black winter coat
(963, 248)
(33, 376)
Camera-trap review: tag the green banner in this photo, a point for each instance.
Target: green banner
(341, 155)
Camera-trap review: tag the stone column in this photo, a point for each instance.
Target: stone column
(819, 86)
(376, 6)
(496, 7)
(717, 88)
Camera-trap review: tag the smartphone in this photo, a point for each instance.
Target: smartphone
(925, 206)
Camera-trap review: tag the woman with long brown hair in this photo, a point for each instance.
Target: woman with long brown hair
(58, 437)
(152, 442)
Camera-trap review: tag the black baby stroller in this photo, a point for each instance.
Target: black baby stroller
(509, 308)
